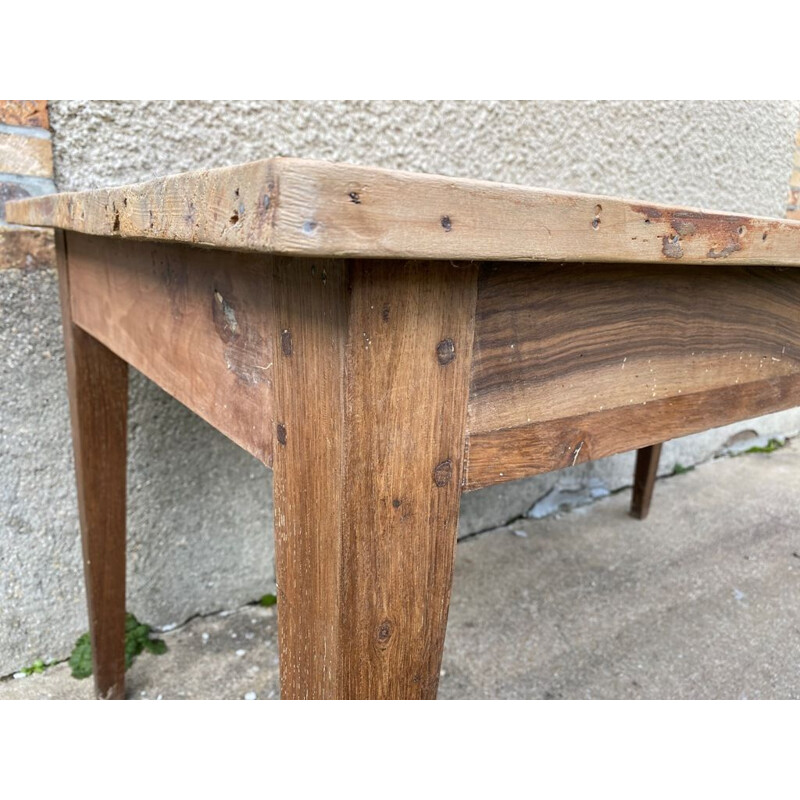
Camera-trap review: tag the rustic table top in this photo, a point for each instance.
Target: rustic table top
(316, 208)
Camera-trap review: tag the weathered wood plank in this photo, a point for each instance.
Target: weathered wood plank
(554, 342)
(371, 385)
(98, 401)
(505, 455)
(321, 209)
(194, 321)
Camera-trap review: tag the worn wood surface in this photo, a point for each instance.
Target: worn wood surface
(317, 208)
(371, 383)
(98, 400)
(572, 361)
(644, 479)
(194, 321)
(512, 453)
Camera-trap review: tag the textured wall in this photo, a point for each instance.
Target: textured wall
(199, 511)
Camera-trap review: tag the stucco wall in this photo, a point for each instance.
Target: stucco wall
(199, 518)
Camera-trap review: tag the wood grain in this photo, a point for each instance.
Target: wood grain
(321, 209)
(194, 321)
(504, 455)
(98, 400)
(644, 480)
(555, 342)
(371, 386)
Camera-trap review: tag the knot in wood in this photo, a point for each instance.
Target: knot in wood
(445, 351)
(384, 632)
(442, 473)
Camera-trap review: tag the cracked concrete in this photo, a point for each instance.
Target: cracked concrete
(702, 600)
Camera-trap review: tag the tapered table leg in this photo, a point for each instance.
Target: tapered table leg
(98, 399)
(644, 479)
(371, 385)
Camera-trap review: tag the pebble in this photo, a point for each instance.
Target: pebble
(204, 637)
(240, 653)
(250, 696)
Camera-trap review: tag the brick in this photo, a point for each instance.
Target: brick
(29, 113)
(27, 248)
(794, 214)
(26, 155)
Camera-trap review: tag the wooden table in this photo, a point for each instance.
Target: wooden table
(385, 341)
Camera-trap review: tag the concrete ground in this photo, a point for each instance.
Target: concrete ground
(702, 600)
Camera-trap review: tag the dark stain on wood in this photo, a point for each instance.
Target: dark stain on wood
(722, 233)
(281, 433)
(726, 251)
(286, 343)
(447, 224)
(384, 633)
(671, 246)
(442, 473)
(445, 351)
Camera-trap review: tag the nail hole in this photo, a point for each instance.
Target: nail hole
(355, 198)
(446, 224)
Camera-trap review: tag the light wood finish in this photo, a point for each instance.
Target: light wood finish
(194, 321)
(371, 389)
(576, 362)
(315, 208)
(644, 480)
(98, 400)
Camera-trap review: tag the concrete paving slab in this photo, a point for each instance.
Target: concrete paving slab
(702, 600)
